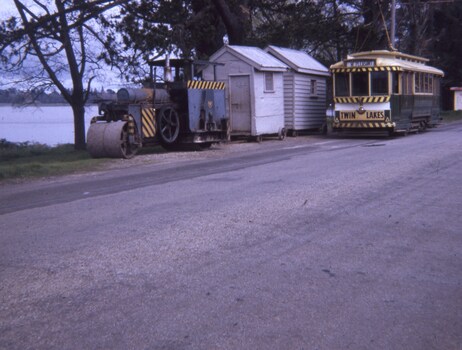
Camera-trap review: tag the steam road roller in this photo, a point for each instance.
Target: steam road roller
(179, 109)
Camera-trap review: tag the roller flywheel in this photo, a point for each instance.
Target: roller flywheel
(110, 140)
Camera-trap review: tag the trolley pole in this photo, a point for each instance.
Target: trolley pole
(393, 24)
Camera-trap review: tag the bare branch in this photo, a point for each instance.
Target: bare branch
(55, 40)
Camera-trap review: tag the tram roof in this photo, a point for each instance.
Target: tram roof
(384, 60)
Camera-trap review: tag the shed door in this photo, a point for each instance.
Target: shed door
(240, 103)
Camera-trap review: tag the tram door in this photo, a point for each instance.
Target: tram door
(240, 113)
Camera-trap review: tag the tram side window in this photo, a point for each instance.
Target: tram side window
(395, 82)
(417, 82)
(342, 84)
(360, 82)
(406, 90)
(409, 79)
(430, 83)
(423, 83)
(379, 83)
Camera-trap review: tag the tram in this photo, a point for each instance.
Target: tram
(386, 92)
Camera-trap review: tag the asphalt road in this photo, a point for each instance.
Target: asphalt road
(309, 243)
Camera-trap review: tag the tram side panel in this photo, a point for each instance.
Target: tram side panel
(414, 111)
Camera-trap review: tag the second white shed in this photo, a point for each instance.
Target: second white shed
(254, 89)
(304, 89)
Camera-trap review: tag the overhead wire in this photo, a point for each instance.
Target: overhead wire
(390, 44)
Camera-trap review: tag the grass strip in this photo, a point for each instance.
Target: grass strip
(451, 116)
(27, 160)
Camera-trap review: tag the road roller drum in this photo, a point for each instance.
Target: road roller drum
(111, 140)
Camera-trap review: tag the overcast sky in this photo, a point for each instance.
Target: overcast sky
(7, 9)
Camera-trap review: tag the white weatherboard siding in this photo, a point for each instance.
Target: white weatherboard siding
(303, 110)
(310, 109)
(289, 101)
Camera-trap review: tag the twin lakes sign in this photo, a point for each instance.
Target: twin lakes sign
(366, 115)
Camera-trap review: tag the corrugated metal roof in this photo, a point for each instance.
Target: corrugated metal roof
(254, 56)
(385, 58)
(298, 60)
(389, 54)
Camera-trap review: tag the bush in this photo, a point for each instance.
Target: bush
(13, 150)
(26, 159)
(451, 116)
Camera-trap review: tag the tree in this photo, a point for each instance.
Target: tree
(322, 28)
(415, 26)
(196, 28)
(147, 29)
(49, 42)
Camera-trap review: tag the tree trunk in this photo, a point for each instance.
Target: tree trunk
(78, 108)
(337, 31)
(233, 20)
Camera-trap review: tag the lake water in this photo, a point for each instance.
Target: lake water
(51, 125)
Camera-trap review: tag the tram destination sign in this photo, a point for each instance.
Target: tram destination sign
(360, 63)
(362, 116)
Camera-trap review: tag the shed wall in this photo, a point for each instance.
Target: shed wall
(289, 100)
(457, 100)
(302, 109)
(269, 106)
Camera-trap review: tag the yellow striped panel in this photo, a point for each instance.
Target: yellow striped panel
(131, 126)
(206, 85)
(376, 99)
(369, 99)
(364, 125)
(369, 69)
(148, 116)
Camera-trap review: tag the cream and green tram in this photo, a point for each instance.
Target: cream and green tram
(385, 91)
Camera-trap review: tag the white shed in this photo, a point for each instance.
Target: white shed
(457, 98)
(304, 89)
(254, 89)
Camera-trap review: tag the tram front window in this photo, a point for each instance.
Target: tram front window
(342, 84)
(379, 83)
(360, 82)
